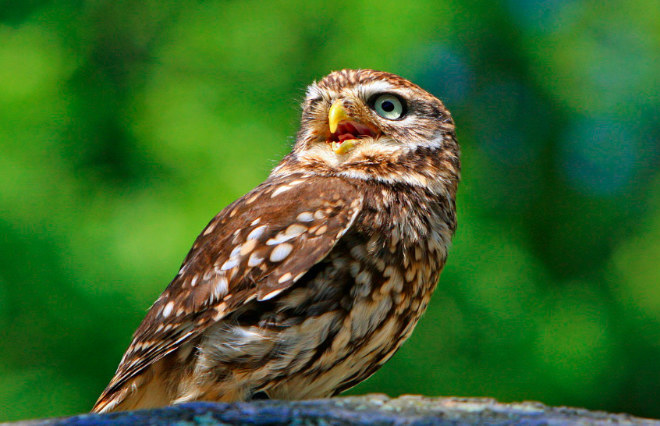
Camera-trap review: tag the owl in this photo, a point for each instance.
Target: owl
(306, 285)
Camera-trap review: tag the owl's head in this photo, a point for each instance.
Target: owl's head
(354, 120)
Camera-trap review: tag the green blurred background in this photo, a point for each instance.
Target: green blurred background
(125, 126)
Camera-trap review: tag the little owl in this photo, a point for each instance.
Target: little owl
(306, 285)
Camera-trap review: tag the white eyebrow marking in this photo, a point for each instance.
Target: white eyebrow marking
(374, 87)
(313, 92)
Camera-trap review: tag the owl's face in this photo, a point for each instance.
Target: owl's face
(351, 114)
(375, 126)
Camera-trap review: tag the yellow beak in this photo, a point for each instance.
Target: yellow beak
(336, 114)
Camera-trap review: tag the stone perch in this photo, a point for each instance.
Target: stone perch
(372, 409)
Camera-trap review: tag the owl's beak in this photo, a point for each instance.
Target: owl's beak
(336, 115)
(345, 132)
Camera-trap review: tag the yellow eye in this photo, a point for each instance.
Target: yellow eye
(389, 106)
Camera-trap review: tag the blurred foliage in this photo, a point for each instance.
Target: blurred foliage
(125, 126)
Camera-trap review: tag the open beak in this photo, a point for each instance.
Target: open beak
(345, 132)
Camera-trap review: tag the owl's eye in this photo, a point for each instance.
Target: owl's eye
(389, 106)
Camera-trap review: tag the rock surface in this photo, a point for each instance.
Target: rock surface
(365, 410)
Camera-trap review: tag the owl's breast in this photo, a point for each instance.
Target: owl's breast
(392, 259)
(359, 308)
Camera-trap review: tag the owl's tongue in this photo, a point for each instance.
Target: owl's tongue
(344, 136)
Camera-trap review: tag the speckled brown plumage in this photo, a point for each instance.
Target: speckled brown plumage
(306, 285)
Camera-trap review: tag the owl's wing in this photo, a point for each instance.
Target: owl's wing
(257, 247)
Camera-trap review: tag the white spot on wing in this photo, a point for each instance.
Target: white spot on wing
(167, 309)
(255, 259)
(305, 217)
(247, 247)
(295, 230)
(285, 277)
(280, 252)
(279, 239)
(210, 228)
(229, 264)
(280, 190)
(235, 251)
(272, 294)
(256, 232)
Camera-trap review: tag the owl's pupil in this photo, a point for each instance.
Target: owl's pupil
(387, 106)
